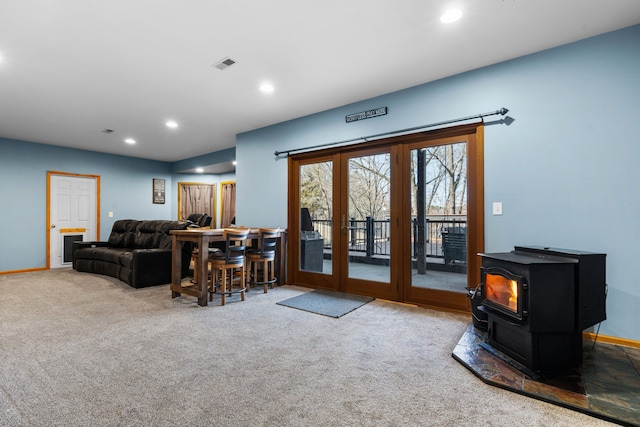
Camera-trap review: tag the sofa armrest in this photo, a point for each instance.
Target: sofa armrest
(84, 245)
(80, 244)
(153, 266)
(150, 259)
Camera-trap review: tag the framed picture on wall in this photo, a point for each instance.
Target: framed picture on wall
(158, 191)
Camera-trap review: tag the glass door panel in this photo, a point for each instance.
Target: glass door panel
(438, 197)
(316, 213)
(366, 222)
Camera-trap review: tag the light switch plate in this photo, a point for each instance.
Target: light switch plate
(110, 214)
(497, 208)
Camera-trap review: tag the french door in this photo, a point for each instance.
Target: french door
(444, 219)
(395, 219)
(338, 198)
(366, 225)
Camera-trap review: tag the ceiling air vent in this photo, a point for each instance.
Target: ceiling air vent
(107, 130)
(225, 63)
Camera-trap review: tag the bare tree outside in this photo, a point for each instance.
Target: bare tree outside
(316, 185)
(368, 192)
(445, 179)
(445, 184)
(369, 187)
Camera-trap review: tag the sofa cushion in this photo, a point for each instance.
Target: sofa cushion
(164, 239)
(155, 233)
(123, 233)
(112, 255)
(84, 252)
(145, 238)
(149, 233)
(126, 260)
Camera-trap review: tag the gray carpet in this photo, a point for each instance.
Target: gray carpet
(327, 303)
(79, 349)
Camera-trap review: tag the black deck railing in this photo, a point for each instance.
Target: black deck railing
(372, 237)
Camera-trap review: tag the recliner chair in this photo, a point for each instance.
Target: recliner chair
(199, 220)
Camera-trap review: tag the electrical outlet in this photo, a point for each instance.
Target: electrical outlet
(497, 208)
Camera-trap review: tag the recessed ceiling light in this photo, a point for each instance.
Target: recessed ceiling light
(130, 141)
(171, 124)
(199, 170)
(267, 88)
(451, 15)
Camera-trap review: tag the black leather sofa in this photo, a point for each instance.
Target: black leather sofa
(137, 252)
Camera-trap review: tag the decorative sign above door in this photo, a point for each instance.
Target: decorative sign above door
(381, 111)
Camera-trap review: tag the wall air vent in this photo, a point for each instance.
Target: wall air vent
(225, 63)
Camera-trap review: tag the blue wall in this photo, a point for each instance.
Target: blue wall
(125, 190)
(565, 169)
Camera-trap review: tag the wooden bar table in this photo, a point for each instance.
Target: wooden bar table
(202, 237)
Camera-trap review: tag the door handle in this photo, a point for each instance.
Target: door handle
(343, 225)
(53, 226)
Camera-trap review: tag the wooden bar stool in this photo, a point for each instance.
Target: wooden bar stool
(261, 260)
(224, 265)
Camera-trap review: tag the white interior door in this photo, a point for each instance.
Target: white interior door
(72, 215)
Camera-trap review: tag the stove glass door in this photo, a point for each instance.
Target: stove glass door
(502, 291)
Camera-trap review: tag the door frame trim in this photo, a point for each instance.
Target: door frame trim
(442, 300)
(48, 215)
(214, 199)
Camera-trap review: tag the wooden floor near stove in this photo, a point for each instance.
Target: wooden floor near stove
(607, 386)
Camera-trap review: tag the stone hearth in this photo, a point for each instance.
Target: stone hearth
(607, 386)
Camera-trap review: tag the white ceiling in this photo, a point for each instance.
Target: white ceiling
(72, 68)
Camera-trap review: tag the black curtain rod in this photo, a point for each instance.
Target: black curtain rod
(501, 112)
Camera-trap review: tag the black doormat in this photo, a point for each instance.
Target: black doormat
(327, 303)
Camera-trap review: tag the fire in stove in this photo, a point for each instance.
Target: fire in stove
(502, 290)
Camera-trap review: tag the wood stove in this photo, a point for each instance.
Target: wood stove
(538, 301)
